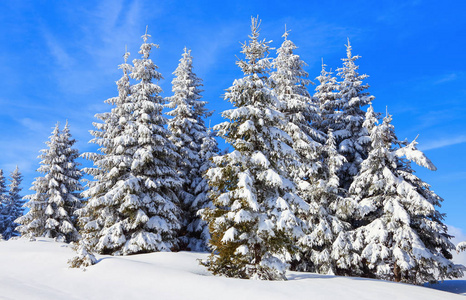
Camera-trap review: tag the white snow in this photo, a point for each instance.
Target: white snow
(39, 270)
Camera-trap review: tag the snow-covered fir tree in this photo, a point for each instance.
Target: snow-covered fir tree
(328, 99)
(111, 172)
(300, 111)
(71, 186)
(132, 204)
(195, 146)
(200, 235)
(461, 246)
(352, 138)
(84, 258)
(289, 83)
(57, 194)
(12, 208)
(327, 248)
(401, 236)
(253, 222)
(3, 202)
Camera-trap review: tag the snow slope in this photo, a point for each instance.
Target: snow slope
(38, 270)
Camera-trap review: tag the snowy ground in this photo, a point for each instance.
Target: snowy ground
(38, 270)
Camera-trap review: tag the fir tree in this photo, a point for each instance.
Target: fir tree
(193, 142)
(253, 222)
(289, 83)
(3, 202)
(198, 228)
(111, 173)
(401, 236)
(352, 138)
(326, 248)
(132, 205)
(57, 194)
(327, 97)
(72, 175)
(84, 258)
(13, 206)
(461, 246)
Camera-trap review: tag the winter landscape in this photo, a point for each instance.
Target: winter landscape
(264, 175)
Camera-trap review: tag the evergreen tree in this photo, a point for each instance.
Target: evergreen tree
(461, 246)
(3, 202)
(52, 208)
(132, 205)
(352, 138)
(253, 222)
(401, 236)
(327, 97)
(84, 258)
(111, 173)
(289, 83)
(190, 135)
(13, 207)
(200, 235)
(327, 248)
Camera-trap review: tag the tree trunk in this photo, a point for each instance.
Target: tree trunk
(397, 272)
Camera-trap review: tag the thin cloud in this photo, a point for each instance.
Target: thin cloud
(454, 76)
(441, 143)
(57, 50)
(32, 125)
(447, 78)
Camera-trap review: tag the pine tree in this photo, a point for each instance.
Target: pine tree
(13, 207)
(111, 172)
(84, 258)
(401, 236)
(71, 186)
(52, 208)
(253, 222)
(289, 83)
(132, 205)
(200, 235)
(327, 97)
(352, 138)
(461, 246)
(327, 246)
(3, 202)
(188, 134)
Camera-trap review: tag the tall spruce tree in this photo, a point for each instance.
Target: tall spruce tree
(300, 112)
(295, 103)
(401, 236)
(328, 99)
(189, 134)
(352, 138)
(111, 173)
(327, 246)
(57, 194)
(253, 222)
(198, 228)
(13, 205)
(132, 205)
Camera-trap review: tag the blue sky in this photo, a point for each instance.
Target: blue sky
(59, 61)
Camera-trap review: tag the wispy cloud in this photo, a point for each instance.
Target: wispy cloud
(33, 125)
(57, 50)
(448, 78)
(441, 143)
(82, 61)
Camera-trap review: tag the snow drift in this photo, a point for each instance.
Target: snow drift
(39, 270)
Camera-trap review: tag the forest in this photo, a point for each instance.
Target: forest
(315, 179)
